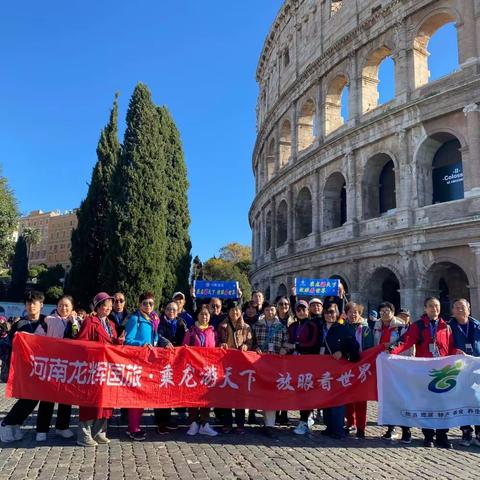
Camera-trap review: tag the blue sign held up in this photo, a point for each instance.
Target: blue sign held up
(317, 287)
(218, 288)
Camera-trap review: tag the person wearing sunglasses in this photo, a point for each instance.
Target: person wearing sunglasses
(119, 313)
(140, 331)
(216, 314)
(338, 342)
(283, 312)
(303, 336)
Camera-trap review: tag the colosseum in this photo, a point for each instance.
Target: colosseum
(388, 199)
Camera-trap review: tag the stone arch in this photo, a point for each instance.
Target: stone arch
(448, 281)
(306, 125)
(333, 103)
(383, 284)
(303, 214)
(334, 202)
(268, 231)
(440, 168)
(285, 142)
(282, 223)
(282, 291)
(270, 160)
(428, 27)
(379, 188)
(370, 81)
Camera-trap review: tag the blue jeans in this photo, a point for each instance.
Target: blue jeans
(334, 419)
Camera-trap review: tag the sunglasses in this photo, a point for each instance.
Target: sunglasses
(216, 306)
(301, 308)
(147, 303)
(119, 300)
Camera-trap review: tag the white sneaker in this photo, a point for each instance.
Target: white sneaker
(67, 433)
(17, 432)
(301, 428)
(6, 433)
(41, 437)
(194, 429)
(208, 430)
(311, 421)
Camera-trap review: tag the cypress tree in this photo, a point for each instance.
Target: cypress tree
(19, 270)
(178, 243)
(8, 220)
(91, 238)
(136, 260)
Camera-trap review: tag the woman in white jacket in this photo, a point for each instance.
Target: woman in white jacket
(63, 323)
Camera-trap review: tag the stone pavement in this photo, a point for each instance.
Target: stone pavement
(231, 457)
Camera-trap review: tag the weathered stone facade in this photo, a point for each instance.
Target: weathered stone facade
(356, 198)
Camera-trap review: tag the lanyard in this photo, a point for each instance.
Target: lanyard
(325, 333)
(234, 334)
(271, 330)
(433, 330)
(106, 326)
(465, 334)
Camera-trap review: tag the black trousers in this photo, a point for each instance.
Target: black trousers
(162, 416)
(304, 414)
(429, 433)
(45, 414)
(20, 411)
(239, 417)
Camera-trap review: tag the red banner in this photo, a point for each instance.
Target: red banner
(90, 374)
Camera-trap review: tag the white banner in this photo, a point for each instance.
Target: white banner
(428, 392)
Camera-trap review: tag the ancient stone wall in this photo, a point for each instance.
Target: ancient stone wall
(357, 197)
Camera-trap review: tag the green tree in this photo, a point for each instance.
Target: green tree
(8, 220)
(178, 243)
(53, 294)
(136, 258)
(32, 237)
(235, 253)
(220, 269)
(35, 270)
(19, 270)
(91, 238)
(52, 277)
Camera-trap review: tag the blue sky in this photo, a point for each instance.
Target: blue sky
(61, 63)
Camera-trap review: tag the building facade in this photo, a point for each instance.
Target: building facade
(55, 237)
(387, 199)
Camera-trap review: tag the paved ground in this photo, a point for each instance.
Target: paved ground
(232, 457)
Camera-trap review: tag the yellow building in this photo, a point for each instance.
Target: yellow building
(55, 237)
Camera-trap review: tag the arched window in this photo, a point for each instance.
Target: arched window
(282, 290)
(387, 195)
(303, 214)
(447, 173)
(271, 159)
(306, 125)
(379, 190)
(285, 143)
(386, 80)
(282, 223)
(439, 169)
(435, 49)
(336, 104)
(268, 231)
(370, 78)
(334, 202)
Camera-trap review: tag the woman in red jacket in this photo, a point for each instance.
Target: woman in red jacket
(92, 425)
